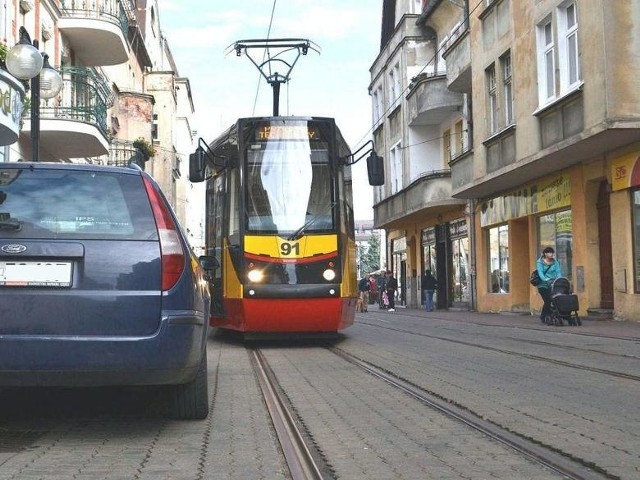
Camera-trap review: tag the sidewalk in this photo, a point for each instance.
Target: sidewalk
(609, 328)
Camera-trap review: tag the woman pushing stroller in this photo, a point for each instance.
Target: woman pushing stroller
(548, 270)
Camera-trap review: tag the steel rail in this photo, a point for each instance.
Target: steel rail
(603, 371)
(571, 468)
(298, 457)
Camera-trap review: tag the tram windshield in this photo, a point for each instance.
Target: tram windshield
(289, 187)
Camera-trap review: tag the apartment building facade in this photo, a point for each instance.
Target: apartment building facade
(554, 123)
(120, 87)
(420, 125)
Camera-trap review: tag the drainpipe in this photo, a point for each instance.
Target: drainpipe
(472, 239)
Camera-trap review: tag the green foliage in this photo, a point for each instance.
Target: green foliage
(145, 147)
(369, 258)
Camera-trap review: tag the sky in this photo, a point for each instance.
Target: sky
(333, 83)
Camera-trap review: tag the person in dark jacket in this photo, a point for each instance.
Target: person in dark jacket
(429, 284)
(363, 294)
(391, 287)
(548, 270)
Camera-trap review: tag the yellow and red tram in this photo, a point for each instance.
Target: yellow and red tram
(280, 243)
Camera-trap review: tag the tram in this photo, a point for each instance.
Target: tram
(279, 236)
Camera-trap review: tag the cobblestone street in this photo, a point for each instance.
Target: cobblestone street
(570, 388)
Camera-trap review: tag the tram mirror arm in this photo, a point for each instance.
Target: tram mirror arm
(375, 163)
(198, 161)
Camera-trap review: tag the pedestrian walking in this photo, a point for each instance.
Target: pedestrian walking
(391, 287)
(429, 284)
(363, 294)
(548, 270)
(382, 291)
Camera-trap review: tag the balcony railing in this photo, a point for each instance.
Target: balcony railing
(85, 97)
(121, 154)
(111, 11)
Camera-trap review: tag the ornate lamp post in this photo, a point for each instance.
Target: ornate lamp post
(26, 62)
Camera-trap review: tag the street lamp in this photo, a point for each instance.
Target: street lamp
(26, 62)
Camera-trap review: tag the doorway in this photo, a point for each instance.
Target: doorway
(604, 246)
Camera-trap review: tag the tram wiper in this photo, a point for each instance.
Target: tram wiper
(10, 224)
(300, 232)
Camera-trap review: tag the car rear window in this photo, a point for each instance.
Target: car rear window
(74, 204)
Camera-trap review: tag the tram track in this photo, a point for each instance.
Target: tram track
(563, 363)
(557, 461)
(297, 453)
(568, 330)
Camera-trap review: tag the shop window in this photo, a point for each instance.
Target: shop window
(555, 230)
(460, 250)
(429, 259)
(636, 239)
(498, 243)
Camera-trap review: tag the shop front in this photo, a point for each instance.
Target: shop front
(513, 230)
(445, 251)
(625, 243)
(399, 268)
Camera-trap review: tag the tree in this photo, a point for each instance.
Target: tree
(369, 257)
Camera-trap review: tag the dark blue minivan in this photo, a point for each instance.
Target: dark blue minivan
(98, 285)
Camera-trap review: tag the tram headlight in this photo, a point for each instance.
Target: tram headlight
(255, 276)
(329, 275)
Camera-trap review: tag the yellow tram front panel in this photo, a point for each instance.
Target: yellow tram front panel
(275, 247)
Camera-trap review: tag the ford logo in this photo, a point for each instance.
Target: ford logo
(13, 248)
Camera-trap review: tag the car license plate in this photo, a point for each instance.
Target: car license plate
(35, 274)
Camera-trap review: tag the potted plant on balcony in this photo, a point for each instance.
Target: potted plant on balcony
(146, 148)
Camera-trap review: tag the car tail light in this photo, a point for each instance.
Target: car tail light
(173, 256)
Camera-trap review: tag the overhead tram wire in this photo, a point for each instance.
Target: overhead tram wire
(435, 55)
(266, 53)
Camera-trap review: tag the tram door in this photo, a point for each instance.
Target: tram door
(215, 228)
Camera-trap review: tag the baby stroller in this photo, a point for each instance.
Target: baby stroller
(564, 304)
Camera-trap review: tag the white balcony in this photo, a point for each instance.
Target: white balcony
(97, 34)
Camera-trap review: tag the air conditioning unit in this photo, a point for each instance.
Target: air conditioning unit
(27, 5)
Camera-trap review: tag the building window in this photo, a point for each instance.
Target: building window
(505, 64)
(556, 230)
(154, 127)
(636, 239)
(492, 101)
(498, 242)
(377, 105)
(446, 146)
(394, 84)
(568, 47)
(563, 57)
(546, 62)
(396, 167)
(458, 145)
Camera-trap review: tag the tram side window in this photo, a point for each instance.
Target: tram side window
(498, 242)
(636, 238)
(215, 221)
(555, 230)
(234, 208)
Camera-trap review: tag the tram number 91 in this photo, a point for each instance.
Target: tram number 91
(287, 249)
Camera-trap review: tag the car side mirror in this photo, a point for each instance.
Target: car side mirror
(197, 166)
(375, 169)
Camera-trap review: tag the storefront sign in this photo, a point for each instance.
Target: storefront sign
(400, 244)
(458, 228)
(545, 196)
(11, 94)
(625, 172)
(429, 236)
